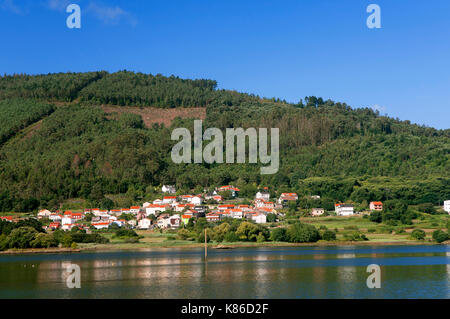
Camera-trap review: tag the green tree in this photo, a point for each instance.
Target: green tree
(418, 234)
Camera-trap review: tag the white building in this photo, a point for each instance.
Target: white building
(169, 189)
(174, 221)
(44, 213)
(259, 219)
(153, 209)
(196, 200)
(265, 196)
(169, 199)
(447, 206)
(134, 209)
(317, 211)
(67, 220)
(144, 223)
(344, 209)
(101, 225)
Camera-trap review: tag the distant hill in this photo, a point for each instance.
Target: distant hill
(57, 142)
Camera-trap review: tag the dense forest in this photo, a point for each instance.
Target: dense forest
(50, 152)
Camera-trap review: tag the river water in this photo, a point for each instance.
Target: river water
(300, 272)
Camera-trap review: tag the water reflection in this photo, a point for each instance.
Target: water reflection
(336, 272)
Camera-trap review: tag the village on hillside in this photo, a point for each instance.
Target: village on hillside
(172, 211)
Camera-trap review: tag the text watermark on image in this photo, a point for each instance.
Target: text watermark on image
(213, 152)
(374, 20)
(74, 19)
(73, 276)
(374, 279)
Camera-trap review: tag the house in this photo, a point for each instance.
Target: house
(234, 190)
(158, 202)
(236, 213)
(186, 198)
(153, 209)
(225, 207)
(6, 218)
(174, 221)
(314, 197)
(54, 225)
(259, 218)
(317, 211)
(212, 217)
(185, 218)
(344, 209)
(144, 223)
(125, 210)
(115, 212)
(376, 206)
(163, 221)
(264, 204)
(169, 189)
(119, 222)
(101, 225)
(196, 200)
(44, 214)
(67, 220)
(68, 226)
(285, 198)
(169, 199)
(55, 217)
(134, 209)
(146, 204)
(447, 206)
(265, 196)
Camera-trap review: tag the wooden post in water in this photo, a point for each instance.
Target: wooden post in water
(206, 246)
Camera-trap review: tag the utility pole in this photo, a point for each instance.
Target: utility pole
(206, 246)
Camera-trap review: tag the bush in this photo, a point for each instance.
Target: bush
(418, 234)
(329, 235)
(260, 238)
(230, 237)
(43, 240)
(21, 237)
(371, 230)
(278, 234)
(440, 236)
(302, 233)
(121, 233)
(355, 236)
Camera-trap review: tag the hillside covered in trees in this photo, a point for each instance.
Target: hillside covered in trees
(56, 143)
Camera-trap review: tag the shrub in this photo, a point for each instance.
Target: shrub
(329, 235)
(355, 236)
(21, 237)
(43, 240)
(418, 234)
(302, 233)
(371, 230)
(278, 234)
(440, 236)
(260, 238)
(125, 233)
(230, 237)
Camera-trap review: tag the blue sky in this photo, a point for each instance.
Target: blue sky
(286, 49)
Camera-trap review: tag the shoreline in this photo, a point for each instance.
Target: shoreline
(228, 246)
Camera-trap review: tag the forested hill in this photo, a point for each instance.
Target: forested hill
(57, 142)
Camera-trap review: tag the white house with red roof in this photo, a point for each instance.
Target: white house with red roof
(153, 209)
(101, 225)
(169, 199)
(376, 206)
(287, 197)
